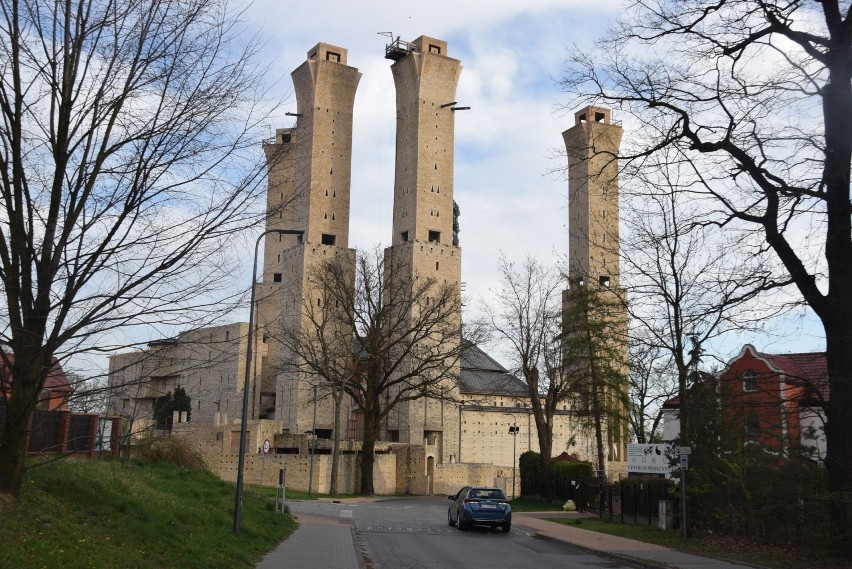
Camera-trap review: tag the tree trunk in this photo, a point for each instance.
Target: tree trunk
(545, 447)
(335, 451)
(27, 383)
(839, 426)
(368, 447)
(14, 444)
(597, 416)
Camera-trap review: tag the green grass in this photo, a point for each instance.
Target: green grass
(745, 551)
(101, 513)
(521, 504)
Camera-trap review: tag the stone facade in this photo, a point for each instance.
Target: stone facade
(209, 363)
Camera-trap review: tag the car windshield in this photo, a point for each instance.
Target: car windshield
(485, 494)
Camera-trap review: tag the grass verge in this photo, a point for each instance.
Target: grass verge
(101, 513)
(751, 552)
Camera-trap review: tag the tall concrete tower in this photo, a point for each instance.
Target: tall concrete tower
(309, 169)
(422, 244)
(593, 145)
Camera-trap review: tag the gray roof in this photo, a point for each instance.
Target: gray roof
(480, 373)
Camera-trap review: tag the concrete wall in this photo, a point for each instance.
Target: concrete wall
(263, 470)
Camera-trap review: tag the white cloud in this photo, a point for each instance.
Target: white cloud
(512, 53)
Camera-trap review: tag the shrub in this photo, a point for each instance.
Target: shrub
(172, 450)
(529, 464)
(564, 473)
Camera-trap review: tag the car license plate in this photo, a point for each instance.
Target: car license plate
(489, 506)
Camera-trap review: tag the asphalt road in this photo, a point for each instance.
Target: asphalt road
(412, 533)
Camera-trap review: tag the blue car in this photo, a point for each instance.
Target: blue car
(480, 506)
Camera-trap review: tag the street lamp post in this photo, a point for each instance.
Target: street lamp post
(242, 457)
(513, 430)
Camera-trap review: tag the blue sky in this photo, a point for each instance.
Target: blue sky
(512, 55)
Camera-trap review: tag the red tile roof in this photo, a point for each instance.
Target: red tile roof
(56, 379)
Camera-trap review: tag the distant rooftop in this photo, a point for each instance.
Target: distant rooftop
(480, 373)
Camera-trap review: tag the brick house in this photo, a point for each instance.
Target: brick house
(774, 400)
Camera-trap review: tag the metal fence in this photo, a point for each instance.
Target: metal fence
(63, 432)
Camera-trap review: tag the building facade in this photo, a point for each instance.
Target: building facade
(771, 402)
(439, 444)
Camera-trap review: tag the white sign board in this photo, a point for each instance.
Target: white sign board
(650, 458)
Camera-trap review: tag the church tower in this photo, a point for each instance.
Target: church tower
(592, 146)
(423, 243)
(309, 170)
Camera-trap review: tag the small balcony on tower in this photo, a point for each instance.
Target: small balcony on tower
(398, 49)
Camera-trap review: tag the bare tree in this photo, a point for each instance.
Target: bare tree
(526, 315)
(757, 95)
(652, 383)
(127, 160)
(688, 284)
(90, 393)
(320, 343)
(406, 341)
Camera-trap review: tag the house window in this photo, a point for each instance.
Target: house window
(404, 236)
(604, 280)
(434, 49)
(752, 424)
(749, 380)
(276, 277)
(331, 56)
(328, 239)
(434, 236)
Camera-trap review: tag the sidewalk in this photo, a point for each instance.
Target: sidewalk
(619, 548)
(336, 534)
(337, 546)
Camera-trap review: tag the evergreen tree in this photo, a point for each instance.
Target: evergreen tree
(594, 339)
